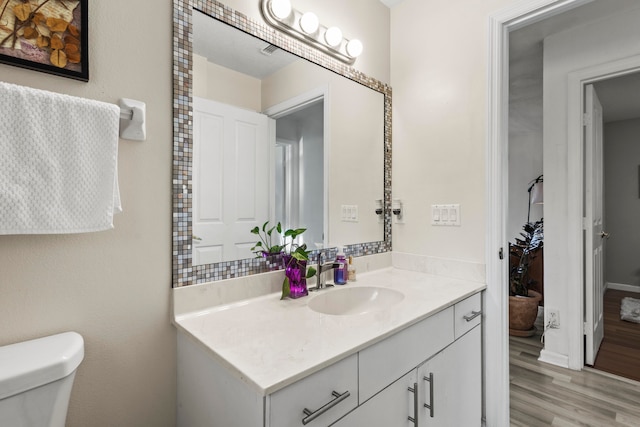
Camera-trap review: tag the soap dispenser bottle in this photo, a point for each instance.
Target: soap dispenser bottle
(340, 268)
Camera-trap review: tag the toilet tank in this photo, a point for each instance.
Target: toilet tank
(36, 378)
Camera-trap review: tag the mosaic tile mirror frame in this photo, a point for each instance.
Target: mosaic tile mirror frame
(184, 272)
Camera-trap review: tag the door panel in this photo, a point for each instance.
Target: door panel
(231, 180)
(392, 407)
(594, 235)
(455, 378)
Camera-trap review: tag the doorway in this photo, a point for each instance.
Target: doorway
(302, 144)
(299, 171)
(619, 351)
(567, 230)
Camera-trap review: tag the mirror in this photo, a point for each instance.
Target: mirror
(322, 169)
(292, 141)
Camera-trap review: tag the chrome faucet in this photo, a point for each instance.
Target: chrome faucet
(322, 268)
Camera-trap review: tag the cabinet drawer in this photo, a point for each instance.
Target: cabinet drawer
(466, 314)
(315, 393)
(384, 362)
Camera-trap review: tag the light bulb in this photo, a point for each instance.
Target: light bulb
(281, 8)
(309, 23)
(333, 36)
(354, 48)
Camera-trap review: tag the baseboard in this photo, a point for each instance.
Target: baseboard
(554, 358)
(623, 287)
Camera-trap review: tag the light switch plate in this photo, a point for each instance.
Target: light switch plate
(349, 213)
(448, 215)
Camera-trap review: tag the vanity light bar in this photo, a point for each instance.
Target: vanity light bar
(306, 27)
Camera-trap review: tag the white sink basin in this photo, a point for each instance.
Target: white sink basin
(357, 300)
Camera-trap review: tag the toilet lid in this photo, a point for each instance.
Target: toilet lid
(33, 363)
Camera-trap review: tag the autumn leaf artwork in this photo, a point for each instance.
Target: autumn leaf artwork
(45, 35)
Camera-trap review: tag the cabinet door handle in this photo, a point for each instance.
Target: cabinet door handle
(472, 316)
(312, 415)
(416, 404)
(429, 379)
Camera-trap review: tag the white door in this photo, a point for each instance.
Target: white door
(231, 180)
(594, 234)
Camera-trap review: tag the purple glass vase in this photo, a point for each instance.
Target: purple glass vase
(296, 272)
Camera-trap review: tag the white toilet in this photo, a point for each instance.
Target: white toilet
(36, 378)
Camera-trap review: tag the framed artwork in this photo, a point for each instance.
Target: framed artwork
(46, 35)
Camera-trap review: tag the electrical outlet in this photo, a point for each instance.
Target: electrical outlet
(553, 318)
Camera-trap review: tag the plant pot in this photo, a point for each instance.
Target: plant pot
(296, 272)
(523, 312)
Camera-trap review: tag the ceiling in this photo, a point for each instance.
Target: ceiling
(620, 97)
(615, 93)
(220, 44)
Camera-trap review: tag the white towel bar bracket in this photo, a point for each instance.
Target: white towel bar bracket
(133, 116)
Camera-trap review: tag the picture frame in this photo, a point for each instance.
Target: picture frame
(50, 36)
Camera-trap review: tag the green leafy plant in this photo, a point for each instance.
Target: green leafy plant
(282, 243)
(523, 249)
(265, 246)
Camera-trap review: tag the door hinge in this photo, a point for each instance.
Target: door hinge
(584, 223)
(501, 253)
(586, 119)
(584, 328)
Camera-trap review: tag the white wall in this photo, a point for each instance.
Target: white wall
(525, 136)
(588, 45)
(114, 287)
(622, 201)
(439, 80)
(211, 81)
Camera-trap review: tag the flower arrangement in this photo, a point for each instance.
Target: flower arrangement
(295, 256)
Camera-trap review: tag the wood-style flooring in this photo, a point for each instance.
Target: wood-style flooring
(547, 395)
(620, 350)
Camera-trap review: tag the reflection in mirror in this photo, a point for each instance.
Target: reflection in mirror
(278, 138)
(299, 172)
(349, 173)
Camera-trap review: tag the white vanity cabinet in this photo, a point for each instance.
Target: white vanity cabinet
(381, 385)
(210, 396)
(442, 355)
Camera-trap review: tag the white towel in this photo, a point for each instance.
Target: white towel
(58, 162)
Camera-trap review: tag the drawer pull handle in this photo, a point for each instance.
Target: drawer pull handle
(416, 404)
(473, 315)
(312, 415)
(429, 379)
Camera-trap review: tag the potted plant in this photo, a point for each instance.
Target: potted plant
(523, 302)
(294, 257)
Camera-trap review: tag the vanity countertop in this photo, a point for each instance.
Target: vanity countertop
(269, 343)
